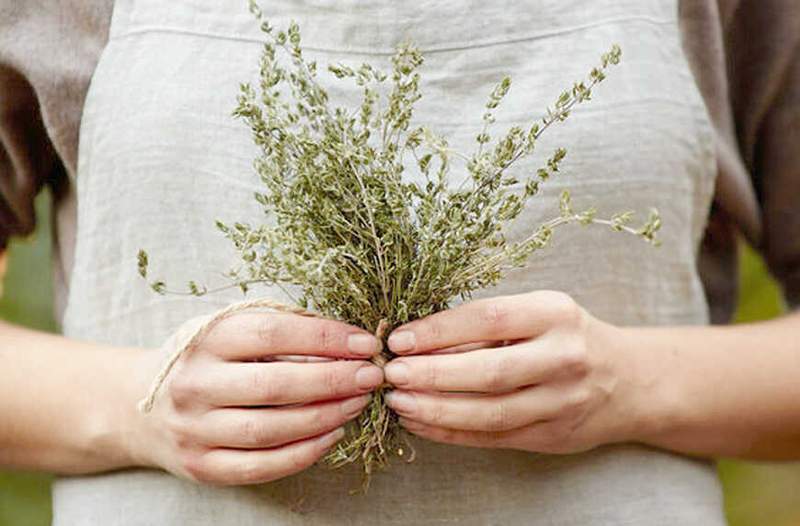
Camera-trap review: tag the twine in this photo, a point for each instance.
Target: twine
(187, 338)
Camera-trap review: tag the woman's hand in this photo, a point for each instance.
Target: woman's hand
(533, 371)
(263, 396)
(567, 382)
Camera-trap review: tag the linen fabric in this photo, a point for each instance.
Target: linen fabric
(161, 158)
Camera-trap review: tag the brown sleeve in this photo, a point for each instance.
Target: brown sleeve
(763, 41)
(48, 52)
(27, 159)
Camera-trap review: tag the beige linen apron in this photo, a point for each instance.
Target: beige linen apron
(161, 158)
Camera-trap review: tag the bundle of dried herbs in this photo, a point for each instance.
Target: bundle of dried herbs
(351, 230)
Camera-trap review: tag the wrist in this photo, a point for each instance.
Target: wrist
(118, 435)
(654, 401)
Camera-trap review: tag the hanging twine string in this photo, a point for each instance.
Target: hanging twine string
(188, 337)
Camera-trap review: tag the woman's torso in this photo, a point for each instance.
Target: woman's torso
(161, 158)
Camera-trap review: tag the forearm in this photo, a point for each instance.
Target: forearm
(65, 406)
(727, 391)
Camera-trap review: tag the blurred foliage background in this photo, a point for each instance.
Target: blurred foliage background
(756, 494)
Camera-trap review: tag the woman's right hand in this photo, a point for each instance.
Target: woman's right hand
(237, 410)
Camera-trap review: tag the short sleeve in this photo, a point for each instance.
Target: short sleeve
(763, 40)
(27, 159)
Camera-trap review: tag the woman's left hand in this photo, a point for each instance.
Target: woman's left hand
(533, 371)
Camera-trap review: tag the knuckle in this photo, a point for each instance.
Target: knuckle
(436, 414)
(318, 419)
(496, 372)
(255, 434)
(576, 402)
(494, 315)
(326, 337)
(433, 374)
(268, 331)
(182, 434)
(268, 386)
(299, 458)
(499, 418)
(332, 380)
(247, 432)
(257, 381)
(183, 390)
(574, 359)
(433, 330)
(564, 308)
(195, 465)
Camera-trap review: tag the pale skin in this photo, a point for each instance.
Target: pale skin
(533, 372)
(233, 412)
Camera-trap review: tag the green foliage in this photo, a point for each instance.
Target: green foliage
(760, 296)
(27, 291)
(24, 499)
(352, 230)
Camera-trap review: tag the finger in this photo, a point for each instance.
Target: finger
(487, 439)
(298, 358)
(491, 370)
(240, 467)
(550, 437)
(275, 383)
(254, 335)
(478, 413)
(464, 347)
(264, 428)
(503, 318)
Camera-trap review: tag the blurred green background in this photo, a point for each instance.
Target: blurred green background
(756, 494)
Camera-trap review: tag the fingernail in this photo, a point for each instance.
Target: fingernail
(331, 438)
(354, 406)
(402, 341)
(364, 344)
(401, 402)
(396, 372)
(369, 376)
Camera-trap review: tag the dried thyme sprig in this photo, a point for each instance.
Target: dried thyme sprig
(360, 239)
